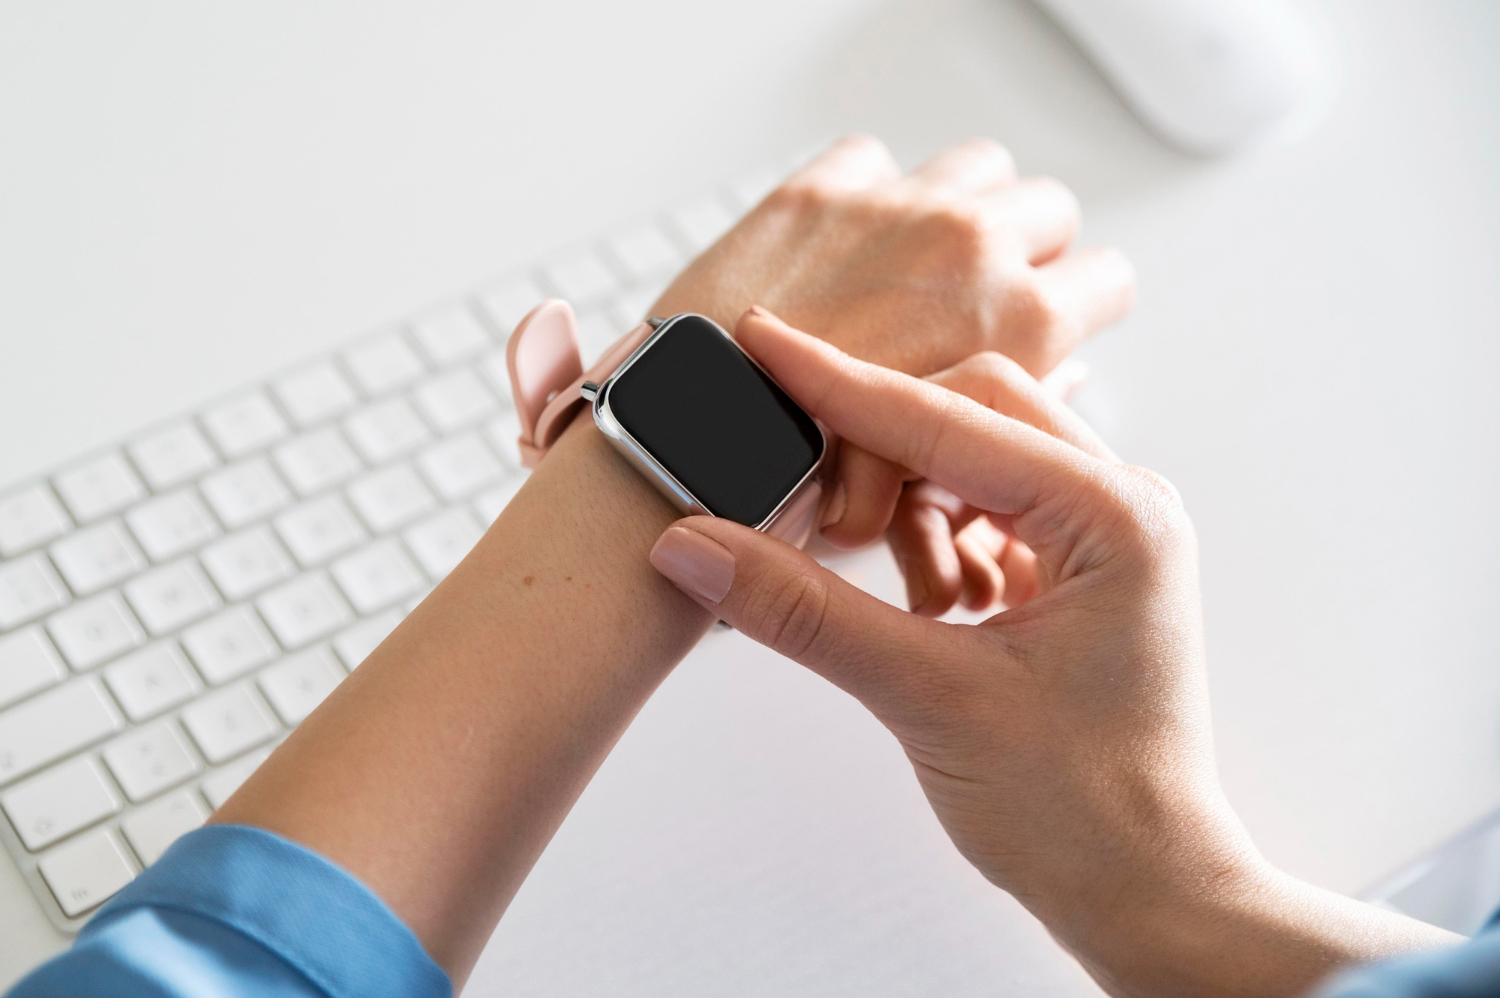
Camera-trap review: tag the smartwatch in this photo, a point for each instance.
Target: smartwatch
(685, 405)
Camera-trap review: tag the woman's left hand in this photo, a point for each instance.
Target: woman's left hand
(915, 271)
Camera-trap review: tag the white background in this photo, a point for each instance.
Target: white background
(192, 196)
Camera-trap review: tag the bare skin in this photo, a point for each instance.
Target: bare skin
(1064, 743)
(441, 768)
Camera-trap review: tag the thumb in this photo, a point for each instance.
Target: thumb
(775, 594)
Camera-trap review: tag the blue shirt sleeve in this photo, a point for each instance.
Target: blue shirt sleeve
(231, 912)
(1471, 970)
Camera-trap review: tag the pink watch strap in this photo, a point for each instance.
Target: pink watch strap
(546, 373)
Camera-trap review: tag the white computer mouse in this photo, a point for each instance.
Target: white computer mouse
(1210, 76)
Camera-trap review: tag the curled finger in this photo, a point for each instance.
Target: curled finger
(973, 167)
(1040, 214)
(852, 163)
(999, 383)
(1084, 291)
(921, 540)
(865, 491)
(979, 547)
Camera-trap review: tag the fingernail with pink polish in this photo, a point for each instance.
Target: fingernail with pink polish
(697, 565)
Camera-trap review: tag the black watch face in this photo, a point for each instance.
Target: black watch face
(713, 419)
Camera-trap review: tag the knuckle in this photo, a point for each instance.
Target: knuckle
(995, 366)
(962, 223)
(791, 615)
(961, 232)
(1061, 193)
(861, 142)
(990, 147)
(1030, 309)
(800, 195)
(998, 153)
(1152, 507)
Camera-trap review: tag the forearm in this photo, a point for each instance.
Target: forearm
(440, 769)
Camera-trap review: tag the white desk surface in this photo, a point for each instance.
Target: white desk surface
(191, 197)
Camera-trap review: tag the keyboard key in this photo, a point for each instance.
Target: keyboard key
(491, 503)
(454, 400)
(298, 683)
(383, 363)
(229, 645)
(318, 530)
(440, 542)
(95, 631)
(99, 487)
(314, 393)
(701, 224)
(355, 644)
(645, 252)
(152, 829)
(28, 589)
(316, 461)
(228, 722)
(245, 424)
(507, 303)
(458, 466)
(171, 596)
(247, 562)
(86, 872)
(386, 430)
(57, 803)
(171, 524)
(29, 517)
(305, 609)
(54, 724)
(97, 557)
(581, 279)
(450, 335)
(386, 499)
(152, 680)
(377, 575)
(28, 663)
(149, 760)
(172, 456)
(245, 492)
(219, 785)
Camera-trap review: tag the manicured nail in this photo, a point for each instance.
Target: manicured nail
(836, 506)
(702, 567)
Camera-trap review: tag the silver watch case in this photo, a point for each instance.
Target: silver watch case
(646, 463)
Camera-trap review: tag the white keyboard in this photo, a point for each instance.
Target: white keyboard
(171, 607)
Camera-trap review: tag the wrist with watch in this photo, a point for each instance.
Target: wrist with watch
(685, 406)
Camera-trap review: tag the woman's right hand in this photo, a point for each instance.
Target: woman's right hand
(1065, 743)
